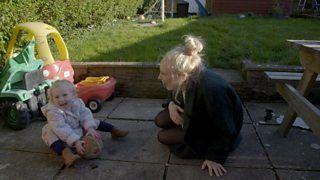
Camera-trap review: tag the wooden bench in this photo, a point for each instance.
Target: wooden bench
(298, 104)
(286, 77)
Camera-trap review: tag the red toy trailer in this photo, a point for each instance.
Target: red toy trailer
(94, 90)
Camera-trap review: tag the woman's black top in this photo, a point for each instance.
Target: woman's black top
(213, 119)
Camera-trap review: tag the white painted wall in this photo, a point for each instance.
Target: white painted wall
(193, 7)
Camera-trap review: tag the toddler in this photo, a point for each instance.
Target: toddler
(68, 120)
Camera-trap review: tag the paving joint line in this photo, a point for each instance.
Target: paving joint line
(229, 166)
(138, 162)
(113, 160)
(247, 111)
(274, 125)
(59, 171)
(108, 115)
(142, 120)
(26, 151)
(263, 147)
(297, 169)
(164, 177)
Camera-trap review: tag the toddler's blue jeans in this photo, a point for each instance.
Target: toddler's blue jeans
(58, 146)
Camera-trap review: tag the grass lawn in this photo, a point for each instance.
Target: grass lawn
(229, 40)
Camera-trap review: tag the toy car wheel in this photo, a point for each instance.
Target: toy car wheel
(94, 105)
(17, 115)
(42, 102)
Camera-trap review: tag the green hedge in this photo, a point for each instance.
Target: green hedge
(68, 16)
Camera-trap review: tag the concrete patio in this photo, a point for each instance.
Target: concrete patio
(262, 154)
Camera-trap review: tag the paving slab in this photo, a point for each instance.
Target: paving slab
(28, 139)
(246, 118)
(258, 111)
(108, 107)
(298, 175)
(248, 154)
(98, 169)
(25, 165)
(140, 145)
(138, 109)
(177, 172)
(299, 150)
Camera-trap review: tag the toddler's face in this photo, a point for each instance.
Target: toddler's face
(62, 97)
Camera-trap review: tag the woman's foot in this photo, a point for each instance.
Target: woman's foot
(116, 133)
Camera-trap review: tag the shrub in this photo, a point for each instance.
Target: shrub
(68, 16)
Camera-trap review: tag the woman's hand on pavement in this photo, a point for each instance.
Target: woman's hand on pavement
(175, 113)
(217, 168)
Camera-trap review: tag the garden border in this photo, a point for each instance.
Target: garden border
(140, 79)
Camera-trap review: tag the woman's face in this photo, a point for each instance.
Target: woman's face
(168, 80)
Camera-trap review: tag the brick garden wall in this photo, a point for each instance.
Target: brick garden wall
(133, 79)
(256, 84)
(140, 80)
(244, 6)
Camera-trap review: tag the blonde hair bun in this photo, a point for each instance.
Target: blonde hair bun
(193, 45)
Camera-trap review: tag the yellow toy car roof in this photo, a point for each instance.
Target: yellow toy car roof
(37, 28)
(39, 31)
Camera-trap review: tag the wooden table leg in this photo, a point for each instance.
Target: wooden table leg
(288, 119)
(307, 81)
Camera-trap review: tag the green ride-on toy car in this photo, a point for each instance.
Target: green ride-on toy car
(22, 88)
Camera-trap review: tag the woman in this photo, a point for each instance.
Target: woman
(205, 116)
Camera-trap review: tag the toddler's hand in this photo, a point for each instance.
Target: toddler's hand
(79, 147)
(94, 133)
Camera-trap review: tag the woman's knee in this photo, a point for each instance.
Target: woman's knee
(162, 137)
(157, 121)
(161, 120)
(170, 136)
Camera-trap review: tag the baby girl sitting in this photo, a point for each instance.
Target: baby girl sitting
(68, 120)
